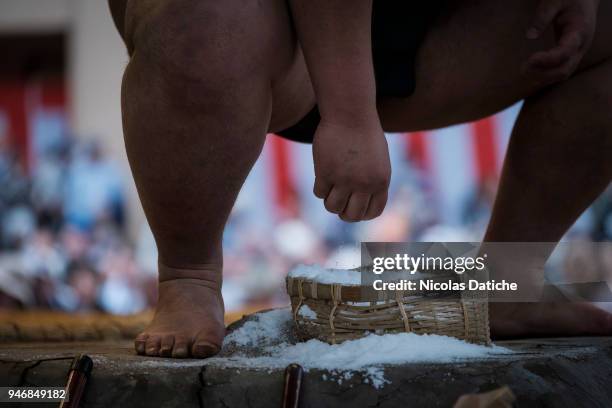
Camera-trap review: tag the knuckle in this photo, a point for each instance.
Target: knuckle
(380, 184)
(375, 182)
(364, 185)
(344, 179)
(383, 183)
(332, 178)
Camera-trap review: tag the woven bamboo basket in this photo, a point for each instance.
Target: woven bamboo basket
(347, 312)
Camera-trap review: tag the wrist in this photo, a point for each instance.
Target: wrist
(351, 118)
(352, 106)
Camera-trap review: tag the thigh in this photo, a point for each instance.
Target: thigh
(469, 65)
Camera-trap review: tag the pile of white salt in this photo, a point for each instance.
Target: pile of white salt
(324, 275)
(267, 333)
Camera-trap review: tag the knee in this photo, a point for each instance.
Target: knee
(193, 40)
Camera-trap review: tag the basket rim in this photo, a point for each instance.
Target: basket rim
(311, 289)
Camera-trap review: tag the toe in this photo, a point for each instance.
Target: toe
(153, 345)
(181, 347)
(204, 349)
(140, 342)
(167, 342)
(204, 346)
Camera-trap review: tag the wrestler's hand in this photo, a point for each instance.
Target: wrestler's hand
(573, 22)
(352, 169)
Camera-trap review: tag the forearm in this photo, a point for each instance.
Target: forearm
(335, 36)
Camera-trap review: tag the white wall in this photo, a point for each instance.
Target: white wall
(33, 15)
(97, 58)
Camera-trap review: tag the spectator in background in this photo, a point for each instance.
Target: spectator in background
(93, 189)
(121, 291)
(48, 180)
(42, 258)
(13, 179)
(16, 218)
(61, 230)
(83, 282)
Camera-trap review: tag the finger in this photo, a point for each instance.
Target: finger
(336, 200)
(321, 188)
(544, 15)
(569, 46)
(356, 207)
(376, 206)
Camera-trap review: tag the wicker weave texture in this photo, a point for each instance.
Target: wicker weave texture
(341, 318)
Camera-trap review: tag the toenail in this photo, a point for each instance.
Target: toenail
(205, 349)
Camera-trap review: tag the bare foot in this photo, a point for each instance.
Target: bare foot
(188, 320)
(548, 319)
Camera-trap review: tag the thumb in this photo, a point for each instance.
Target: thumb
(546, 11)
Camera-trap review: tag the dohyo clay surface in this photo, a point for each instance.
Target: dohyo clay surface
(541, 372)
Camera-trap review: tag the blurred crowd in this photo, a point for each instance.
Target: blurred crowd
(64, 245)
(62, 232)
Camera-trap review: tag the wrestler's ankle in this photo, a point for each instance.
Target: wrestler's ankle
(205, 274)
